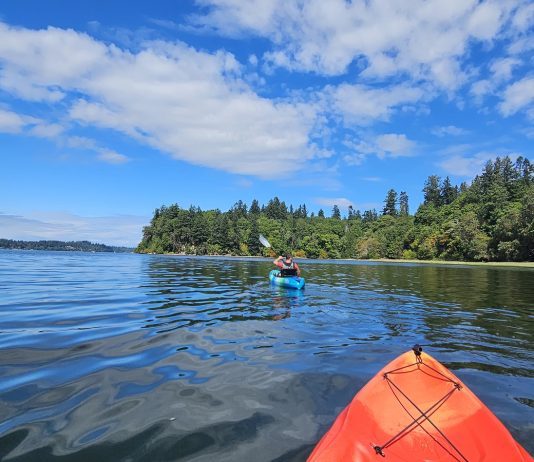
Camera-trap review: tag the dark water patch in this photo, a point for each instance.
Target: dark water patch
(525, 401)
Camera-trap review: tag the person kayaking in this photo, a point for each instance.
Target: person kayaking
(287, 266)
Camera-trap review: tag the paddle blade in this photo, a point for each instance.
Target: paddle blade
(264, 241)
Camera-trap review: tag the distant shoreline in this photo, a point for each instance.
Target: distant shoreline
(65, 246)
(510, 264)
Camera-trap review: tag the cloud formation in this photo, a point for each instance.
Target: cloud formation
(382, 146)
(384, 39)
(341, 202)
(191, 104)
(449, 130)
(468, 165)
(121, 230)
(215, 109)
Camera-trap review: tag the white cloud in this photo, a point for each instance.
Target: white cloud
(190, 104)
(517, 96)
(360, 104)
(45, 130)
(11, 122)
(394, 145)
(355, 158)
(341, 202)
(466, 165)
(481, 89)
(38, 64)
(391, 38)
(80, 142)
(123, 230)
(449, 130)
(112, 157)
(523, 18)
(502, 69)
(382, 146)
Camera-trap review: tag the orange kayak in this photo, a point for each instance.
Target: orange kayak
(413, 410)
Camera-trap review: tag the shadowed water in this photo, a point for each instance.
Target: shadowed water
(150, 358)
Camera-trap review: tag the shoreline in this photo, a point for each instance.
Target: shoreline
(510, 264)
(492, 264)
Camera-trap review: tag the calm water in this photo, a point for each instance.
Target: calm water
(147, 358)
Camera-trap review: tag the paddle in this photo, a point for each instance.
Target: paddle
(265, 242)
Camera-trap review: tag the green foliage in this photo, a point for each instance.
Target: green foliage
(409, 255)
(492, 219)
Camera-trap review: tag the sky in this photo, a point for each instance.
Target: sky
(109, 110)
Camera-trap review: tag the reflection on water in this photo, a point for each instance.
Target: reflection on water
(149, 358)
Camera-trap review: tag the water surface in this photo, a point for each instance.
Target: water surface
(151, 358)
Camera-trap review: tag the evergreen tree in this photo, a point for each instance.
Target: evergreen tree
(369, 216)
(276, 209)
(390, 204)
(448, 192)
(254, 239)
(255, 208)
(403, 204)
(432, 191)
(239, 210)
(336, 214)
(320, 214)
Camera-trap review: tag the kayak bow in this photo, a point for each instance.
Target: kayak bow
(415, 409)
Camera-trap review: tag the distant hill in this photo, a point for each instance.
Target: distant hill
(81, 246)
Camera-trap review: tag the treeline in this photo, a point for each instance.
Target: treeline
(81, 246)
(490, 220)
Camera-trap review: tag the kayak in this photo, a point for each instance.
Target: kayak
(415, 409)
(291, 282)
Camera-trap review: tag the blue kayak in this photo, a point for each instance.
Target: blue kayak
(291, 282)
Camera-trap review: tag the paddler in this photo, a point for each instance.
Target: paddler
(287, 266)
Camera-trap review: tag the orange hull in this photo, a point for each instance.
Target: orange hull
(414, 410)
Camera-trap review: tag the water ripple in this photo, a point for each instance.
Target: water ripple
(149, 358)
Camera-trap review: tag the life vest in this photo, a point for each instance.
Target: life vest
(286, 266)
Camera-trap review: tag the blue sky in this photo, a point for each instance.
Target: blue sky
(111, 109)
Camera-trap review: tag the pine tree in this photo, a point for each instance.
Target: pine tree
(432, 191)
(255, 208)
(448, 192)
(403, 204)
(336, 214)
(369, 216)
(390, 204)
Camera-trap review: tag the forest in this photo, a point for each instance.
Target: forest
(492, 219)
(81, 246)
